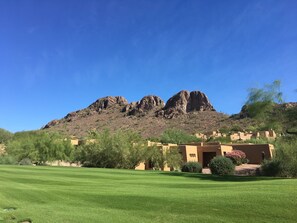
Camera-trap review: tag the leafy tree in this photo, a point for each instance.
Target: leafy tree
(40, 147)
(5, 136)
(261, 100)
(118, 150)
(177, 136)
(155, 156)
(173, 158)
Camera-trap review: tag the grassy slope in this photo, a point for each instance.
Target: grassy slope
(53, 194)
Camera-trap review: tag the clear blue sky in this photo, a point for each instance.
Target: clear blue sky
(57, 56)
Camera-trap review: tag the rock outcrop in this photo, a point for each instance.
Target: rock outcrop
(145, 105)
(106, 102)
(51, 123)
(184, 102)
(151, 105)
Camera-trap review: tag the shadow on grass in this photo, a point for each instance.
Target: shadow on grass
(234, 178)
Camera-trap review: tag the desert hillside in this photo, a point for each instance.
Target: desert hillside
(188, 111)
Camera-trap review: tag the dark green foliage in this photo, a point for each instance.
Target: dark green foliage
(221, 166)
(261, 100)
(262, 106)
(173, 158)
(5, 136)
(119, 150)
(178, 137)
(271, 168)
(236, 128)
(7, 160)
(193, 167)
(25, 161)
(39, 147)
(284, 162)
(291, 115)
(155, 157)
(286, 153)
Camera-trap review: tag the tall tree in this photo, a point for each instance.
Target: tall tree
(261, 100)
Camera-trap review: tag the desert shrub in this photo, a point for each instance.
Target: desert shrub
(25, 161)
(286, 153)
(271, 168)
(7, 160)
(221, 166)
(88, 164)
(193, 167)
(237, 156)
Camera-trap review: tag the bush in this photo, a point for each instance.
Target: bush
(7, 160)
(237, 156)
(271, 168)
(221, 166)
(25, 161)
(193, 167)
(286, 153)
(88, 164)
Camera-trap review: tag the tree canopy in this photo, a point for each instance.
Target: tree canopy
(5, 135)
(261, 100)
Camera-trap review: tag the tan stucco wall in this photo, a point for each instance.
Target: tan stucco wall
(254, 151)
(189, 153)
(225, 149)
(208, 148)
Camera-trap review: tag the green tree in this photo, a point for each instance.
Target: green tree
(155, 157)
(5, 136)
(177, 136)
(173, 158)
(40, 147)
(118, 150)
(261, 100)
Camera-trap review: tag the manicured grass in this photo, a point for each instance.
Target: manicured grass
(56, 194)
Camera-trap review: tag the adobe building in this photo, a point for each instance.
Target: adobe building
(215, 134)
(201, 136)
(242, 136)
(267, 134)
(203, 152)
(255, 153)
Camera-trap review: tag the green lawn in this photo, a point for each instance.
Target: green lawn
(56, 194)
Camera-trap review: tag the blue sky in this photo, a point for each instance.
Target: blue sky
(58, 56)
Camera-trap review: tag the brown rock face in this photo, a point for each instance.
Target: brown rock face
(198, 101)
(51, 123)
(184, 102)
(106, 102)
(146, 104)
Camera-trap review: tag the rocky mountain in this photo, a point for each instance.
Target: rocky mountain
(190, 111)
(145, 105)
(184, 102)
